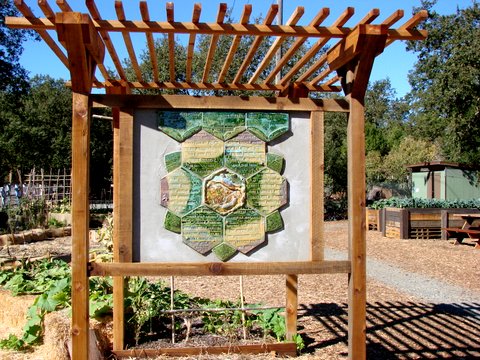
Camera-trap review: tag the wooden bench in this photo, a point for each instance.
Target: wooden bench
(460, 233)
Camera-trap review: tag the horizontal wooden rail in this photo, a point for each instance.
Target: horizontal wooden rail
(219, 269)
(241, 103)
(283, 349)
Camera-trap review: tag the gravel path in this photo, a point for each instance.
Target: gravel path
(423, 287)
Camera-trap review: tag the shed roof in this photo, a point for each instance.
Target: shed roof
(438, 166)
(330, 45)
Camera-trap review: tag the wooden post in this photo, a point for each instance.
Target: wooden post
(85, 50)
(317, 186)
(123, 211)
(356, 232)
(80, 228)
(291, 306)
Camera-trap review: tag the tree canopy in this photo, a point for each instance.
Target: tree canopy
(13, 76)
(445, 96)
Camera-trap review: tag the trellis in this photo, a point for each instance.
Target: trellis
(83, 41)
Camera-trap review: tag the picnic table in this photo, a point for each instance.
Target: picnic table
(470, 229)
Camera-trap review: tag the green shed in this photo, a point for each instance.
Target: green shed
(444, 180)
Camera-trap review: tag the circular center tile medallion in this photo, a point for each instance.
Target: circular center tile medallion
(224, 191)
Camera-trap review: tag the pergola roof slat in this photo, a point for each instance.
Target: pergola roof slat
(150, 43)
(128, 40)
(197, 9)
(294, 18)
(247, 11)
(222, 9)
(27, 12)
(272, 13)
(320, 74)
(169, 7)
(92, 8)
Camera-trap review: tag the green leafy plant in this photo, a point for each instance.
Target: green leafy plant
(426, 203)
(63, 206)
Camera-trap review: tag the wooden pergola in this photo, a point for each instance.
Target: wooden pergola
(83, 43)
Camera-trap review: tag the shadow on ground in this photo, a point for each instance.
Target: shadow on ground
(404, 330)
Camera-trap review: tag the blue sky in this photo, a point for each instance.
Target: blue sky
(394, 63)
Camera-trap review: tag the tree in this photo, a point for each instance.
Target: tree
(410, 151)
(13, 76)
(336, 152)
(385, 117)
(445, 96)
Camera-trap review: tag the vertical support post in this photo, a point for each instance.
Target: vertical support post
(291, 306)
(123, 212)
(356, 231)
(317, 186)
(80, 221)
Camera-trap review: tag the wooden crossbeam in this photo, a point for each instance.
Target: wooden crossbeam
(181, 85)
(138, 26)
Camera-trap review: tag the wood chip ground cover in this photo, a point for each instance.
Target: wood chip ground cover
(400, 324)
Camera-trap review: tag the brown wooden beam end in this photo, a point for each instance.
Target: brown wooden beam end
(85, 48)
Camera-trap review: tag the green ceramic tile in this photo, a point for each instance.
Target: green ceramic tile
(179, 125)
(173, 222)
(268, 126)
(202, 229)
(180, 191)
(266, 191)
(224, 125)
(173, 161)
(224, 251)
(224, 191)
(274, 222)
(275, 162)
(202, 153)
(244, 229)
(245, 154)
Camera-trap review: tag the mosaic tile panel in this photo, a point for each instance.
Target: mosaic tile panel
(268, 126)
(202, 229)
(245, 154)
(202, 153)
(224, 191)
(179, 125)
(244, 229)
(224, 125)
(180, 191)
(266, 191)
